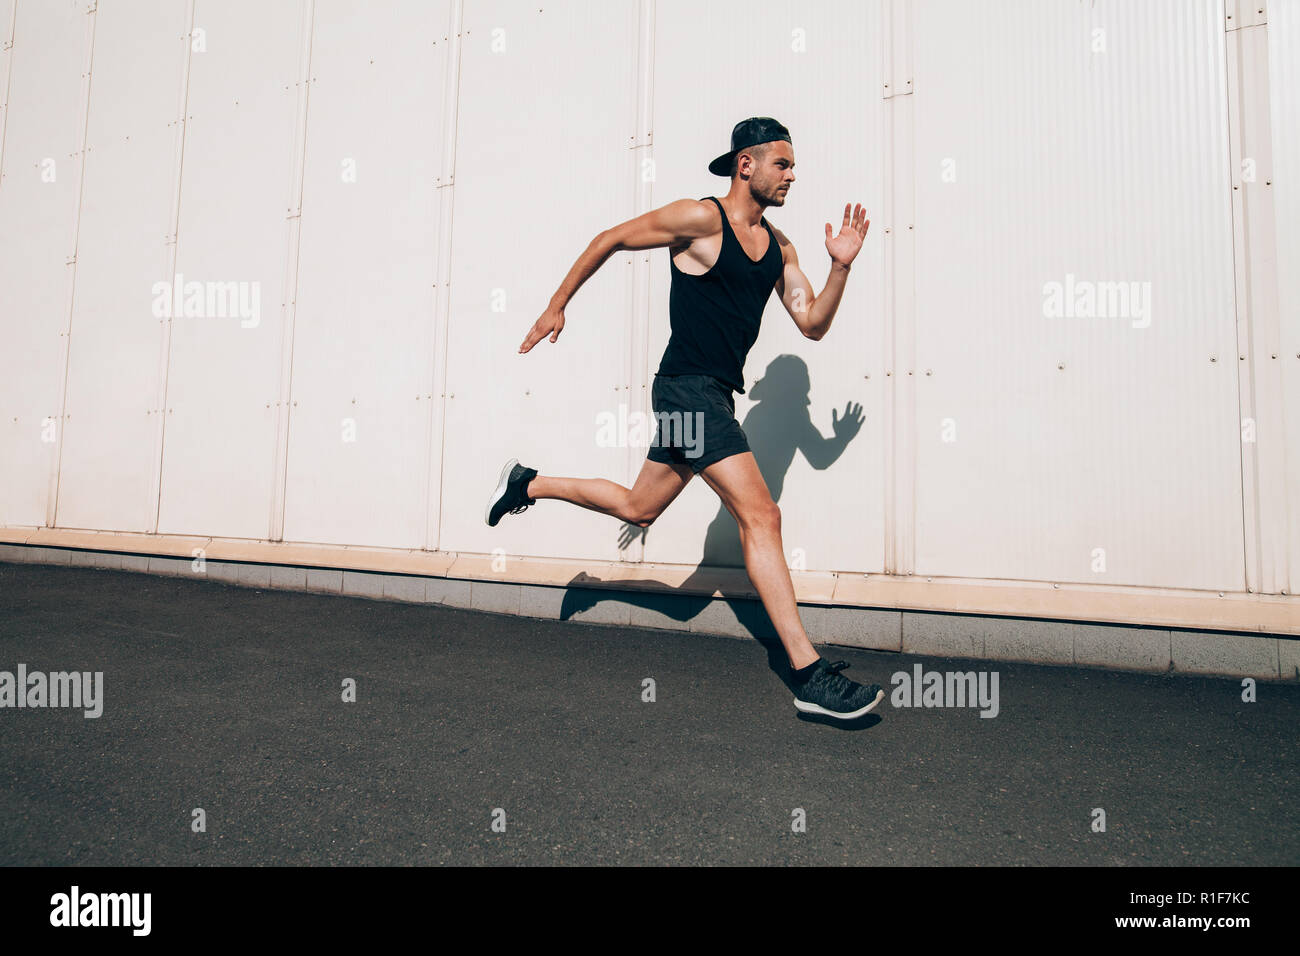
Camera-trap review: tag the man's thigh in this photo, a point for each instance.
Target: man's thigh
(738, 482)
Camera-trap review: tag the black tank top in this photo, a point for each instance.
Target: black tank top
(715, 317)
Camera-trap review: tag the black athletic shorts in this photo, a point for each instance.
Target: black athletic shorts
(695, 421)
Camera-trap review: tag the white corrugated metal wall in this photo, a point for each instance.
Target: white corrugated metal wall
(396, 188)
(1045, 152)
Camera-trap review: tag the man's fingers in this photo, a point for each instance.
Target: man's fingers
(860, 221)
(532, 338)
(855, 218)
(538, 332)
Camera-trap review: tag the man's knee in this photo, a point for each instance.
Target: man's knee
(642, 517)
(765, 516)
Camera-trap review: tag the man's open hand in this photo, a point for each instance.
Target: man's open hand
(550, 323)
(844, 247)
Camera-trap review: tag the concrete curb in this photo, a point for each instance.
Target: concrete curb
(1116, 647)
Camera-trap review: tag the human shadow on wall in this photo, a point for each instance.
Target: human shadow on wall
(778, 425)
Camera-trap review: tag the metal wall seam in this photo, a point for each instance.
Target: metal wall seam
(1284, 104)
(169, 271)
(83, 124)
(1245, 405)
(906, 373)
(442, 299)
(887, 287)
(637, 356)
(289, 308)
(1257, 196)
(899, 292)
(903, 187)
(8, 80)
(1257, 319)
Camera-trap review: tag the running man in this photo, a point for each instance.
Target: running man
(725, 260)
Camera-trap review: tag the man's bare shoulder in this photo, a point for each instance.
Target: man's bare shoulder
(694, 217)
(677, 223)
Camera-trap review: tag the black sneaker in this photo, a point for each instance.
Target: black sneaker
(830, 693)
(511, 494)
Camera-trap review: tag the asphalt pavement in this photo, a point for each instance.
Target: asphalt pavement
(478, 738)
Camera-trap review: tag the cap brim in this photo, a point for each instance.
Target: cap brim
(722, 165)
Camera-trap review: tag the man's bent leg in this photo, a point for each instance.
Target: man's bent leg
(740, 485)
(655, 488)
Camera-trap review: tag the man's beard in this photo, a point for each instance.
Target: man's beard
(768, 197)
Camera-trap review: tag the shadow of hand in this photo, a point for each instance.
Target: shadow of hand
(848, 426)
(628, 534)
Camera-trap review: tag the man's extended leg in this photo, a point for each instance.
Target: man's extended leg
(655, 488)
(740, 485)
(819, 687)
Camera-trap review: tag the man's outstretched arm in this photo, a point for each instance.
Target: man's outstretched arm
(670, 225)
(813, 313)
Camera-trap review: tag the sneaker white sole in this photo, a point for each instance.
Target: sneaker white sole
(501, 490)
(808, 708)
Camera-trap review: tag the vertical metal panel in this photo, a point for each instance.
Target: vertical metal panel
(1284, 91)
(193, 37)
(442, 277)
(7, 12)
(817, 69)
(362, 355)
(224, 371)
(107, 462)
(543, 164)
(1255, 271)
(289, 306)
(1074, 165)
(636, 361)
(45, 70)
(898, 238)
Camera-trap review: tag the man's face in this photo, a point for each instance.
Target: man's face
(771, 175)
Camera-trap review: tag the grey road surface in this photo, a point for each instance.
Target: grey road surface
(230, 700)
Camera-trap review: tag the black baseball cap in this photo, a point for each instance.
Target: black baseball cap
(747, 133)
